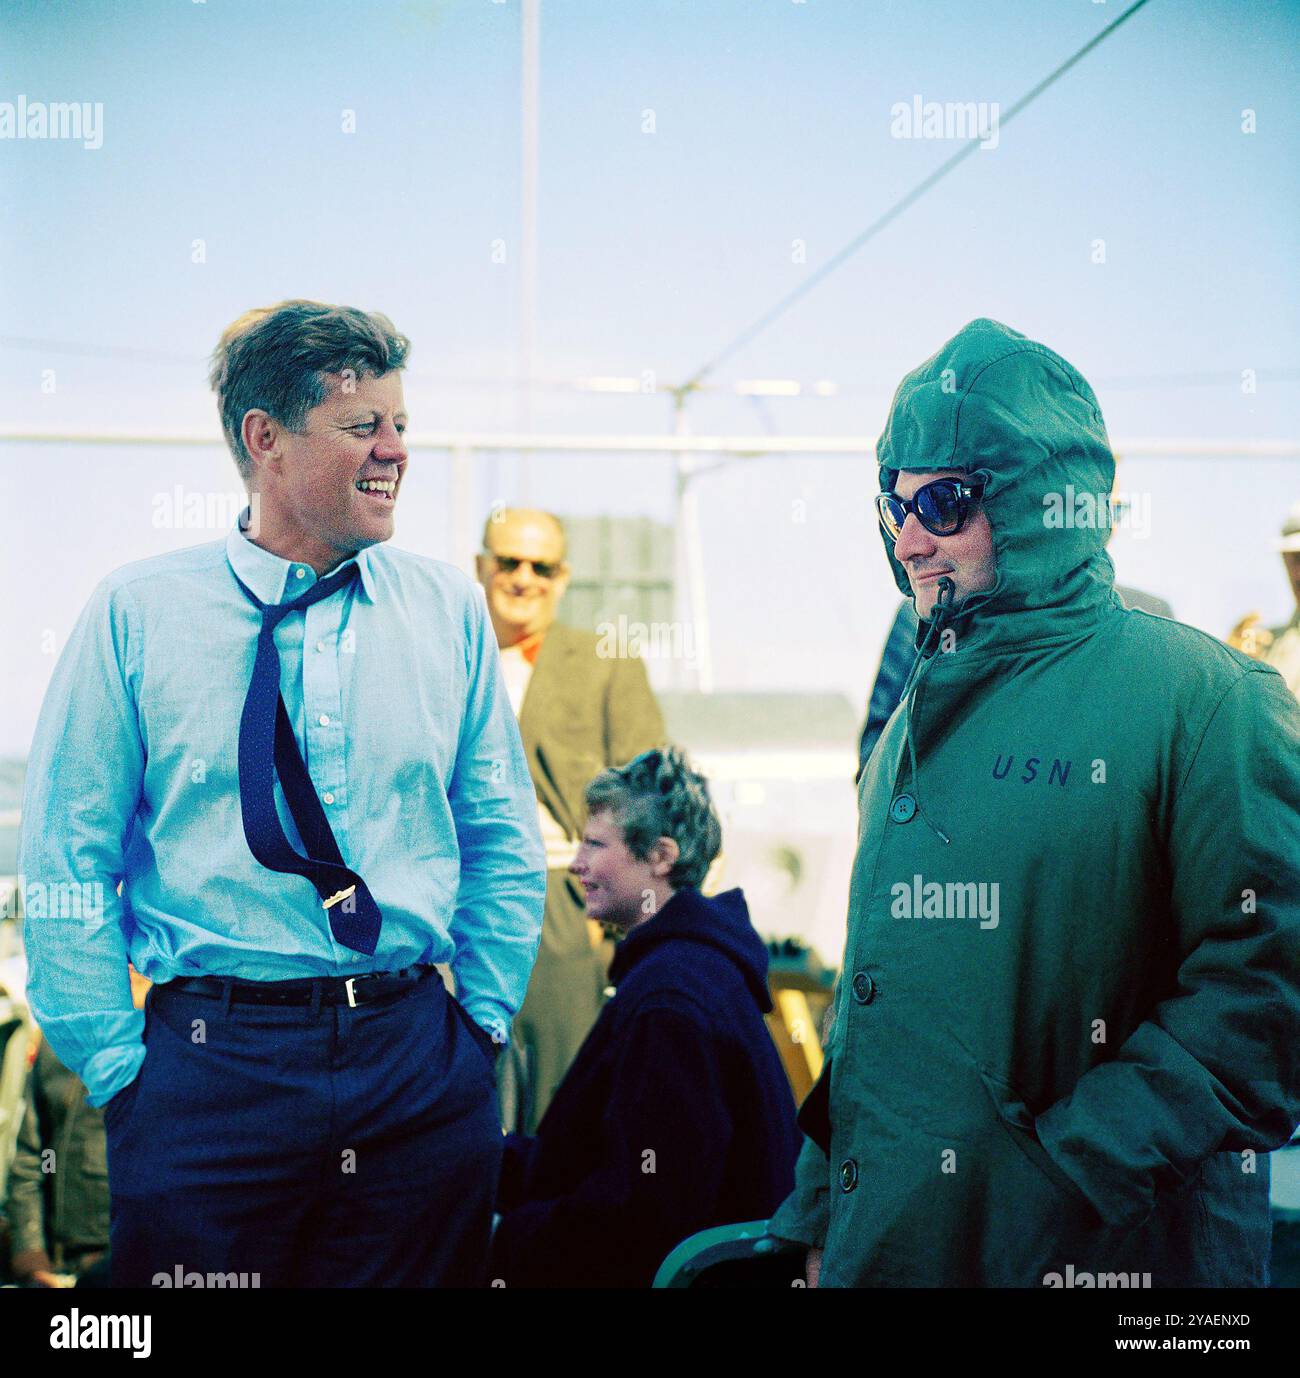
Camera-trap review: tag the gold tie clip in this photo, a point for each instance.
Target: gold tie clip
(342, 895)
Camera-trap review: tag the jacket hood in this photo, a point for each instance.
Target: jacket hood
(1012, 412)
(717, 921)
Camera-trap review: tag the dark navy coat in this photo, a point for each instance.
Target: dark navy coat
(675, 1116)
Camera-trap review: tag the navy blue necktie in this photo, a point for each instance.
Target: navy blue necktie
(267, 746)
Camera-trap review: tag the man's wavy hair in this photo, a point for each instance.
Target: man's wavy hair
(659, 795)
(275, 359)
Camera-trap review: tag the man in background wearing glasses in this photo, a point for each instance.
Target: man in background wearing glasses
(1066, 1029)
(579, 713)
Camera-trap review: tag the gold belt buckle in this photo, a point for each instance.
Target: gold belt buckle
(342, 895)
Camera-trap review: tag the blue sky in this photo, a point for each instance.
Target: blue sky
(223, 123)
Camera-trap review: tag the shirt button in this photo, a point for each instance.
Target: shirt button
(328, 798)
(848, 1175)
(903, 809)
(300, 574)
(320, 645)
(324, 720)
(864, 988)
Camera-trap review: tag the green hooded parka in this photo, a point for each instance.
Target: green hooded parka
(1067, 1032)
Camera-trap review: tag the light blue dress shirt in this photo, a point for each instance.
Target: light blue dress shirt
(395, 693)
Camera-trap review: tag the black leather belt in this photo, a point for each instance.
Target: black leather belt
(324, 990)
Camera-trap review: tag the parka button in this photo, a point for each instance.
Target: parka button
(864, 988)
(848, 1175)
(903, 809)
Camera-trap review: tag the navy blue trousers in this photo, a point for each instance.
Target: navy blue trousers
(327, 1147)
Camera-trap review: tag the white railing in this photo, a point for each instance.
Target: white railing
(687, 451)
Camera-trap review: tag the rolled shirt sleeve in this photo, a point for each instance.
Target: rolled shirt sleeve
(82, 790)
(498, 920)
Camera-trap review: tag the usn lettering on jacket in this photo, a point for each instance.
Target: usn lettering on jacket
(1058, 773)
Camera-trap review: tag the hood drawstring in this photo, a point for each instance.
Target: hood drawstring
(920, 667)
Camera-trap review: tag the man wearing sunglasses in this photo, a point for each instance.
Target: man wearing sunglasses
(579, 713)
(900, 645)
(1065, 1034)
(950, 537)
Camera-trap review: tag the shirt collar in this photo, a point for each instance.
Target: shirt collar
(531, 646)
(272, 579)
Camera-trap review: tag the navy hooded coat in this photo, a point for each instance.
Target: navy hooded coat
(676, 1115)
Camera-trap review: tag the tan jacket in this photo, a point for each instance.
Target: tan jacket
(582, 713)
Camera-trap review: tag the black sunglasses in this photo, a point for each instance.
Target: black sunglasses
(942, 507)
(544, 569)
